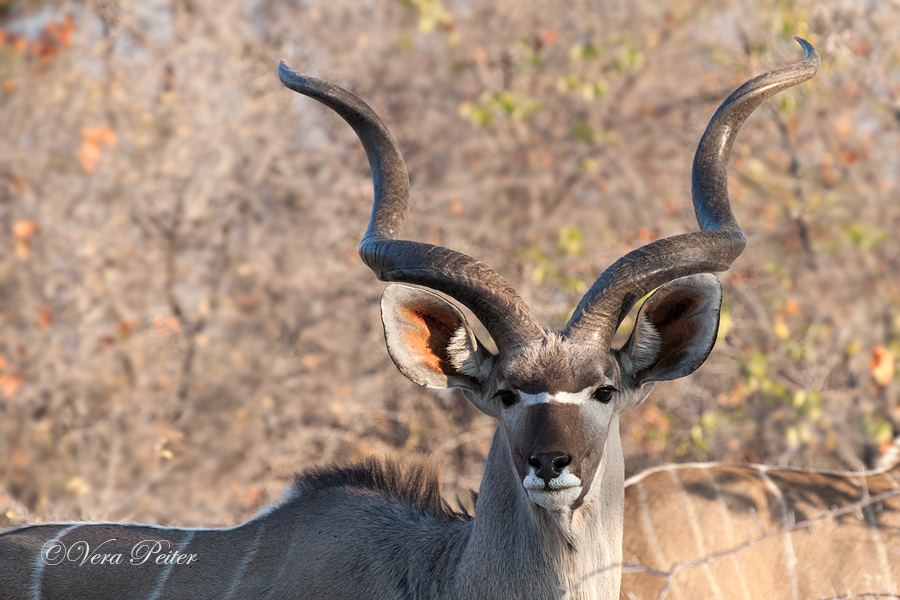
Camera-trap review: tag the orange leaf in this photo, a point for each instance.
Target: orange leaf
(99, 136)
(9, 86)
(125, 328)
(19, 44)
(25, 229)
(791, 307)
(310, 361)
(10, 385)
(843, 126)
(160, 324)
(62, 32)
(44, 318)
(166, 326)
(646, 235)
(849, 157)
(93, 138)
(550, 37)
(881, 365)
(89, 157)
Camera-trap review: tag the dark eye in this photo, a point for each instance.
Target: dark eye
(603, 394)
(507, 397)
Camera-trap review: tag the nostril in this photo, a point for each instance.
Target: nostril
(549, 465)
(560, 462)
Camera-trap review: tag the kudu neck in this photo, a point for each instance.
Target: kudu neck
(572, 555)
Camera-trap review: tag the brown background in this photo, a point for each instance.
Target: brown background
(183, 317)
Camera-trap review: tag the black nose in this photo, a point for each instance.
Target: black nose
(549, 464)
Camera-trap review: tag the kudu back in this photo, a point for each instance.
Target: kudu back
(739, 532)
(548, 517)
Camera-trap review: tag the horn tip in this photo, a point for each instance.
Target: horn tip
(812, 55)
(289, 77)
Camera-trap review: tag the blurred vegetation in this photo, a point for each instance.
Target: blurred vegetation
(183, 317)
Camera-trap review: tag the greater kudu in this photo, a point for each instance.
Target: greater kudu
(740, 532)
(548, 518)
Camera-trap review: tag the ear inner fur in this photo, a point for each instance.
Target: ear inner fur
(429, 340)
(646, 347)
(686, 325)
(675, 326)
(676, 329)
(464, 356)
(428, 334)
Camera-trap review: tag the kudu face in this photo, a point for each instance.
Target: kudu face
(556, 398)
(557, 395)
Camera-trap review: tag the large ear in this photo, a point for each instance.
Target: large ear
(430, 342)
(675, 330)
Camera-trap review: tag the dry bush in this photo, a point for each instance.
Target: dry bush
(183, 317)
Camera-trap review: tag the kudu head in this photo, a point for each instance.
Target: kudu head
(556, 394)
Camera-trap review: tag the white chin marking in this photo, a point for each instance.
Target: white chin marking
(554, 499)
(560, 482)
(564, 490)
